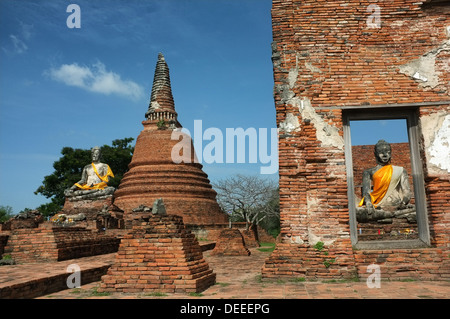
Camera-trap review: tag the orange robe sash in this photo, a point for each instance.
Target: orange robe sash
(381, 181)
(100, 185)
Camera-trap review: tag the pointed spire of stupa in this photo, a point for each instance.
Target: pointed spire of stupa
(153, 173)
(161, 100)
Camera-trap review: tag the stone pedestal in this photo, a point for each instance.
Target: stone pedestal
(100, 213)
(89, 207)
(159, 254)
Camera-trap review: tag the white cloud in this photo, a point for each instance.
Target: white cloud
(72, 75)
(96, 79)
(19, 45)
(26, 30)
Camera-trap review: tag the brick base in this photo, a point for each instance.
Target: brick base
(90, 208)
(418, 264)
(159, 254)
(291, 260)
(296, 260)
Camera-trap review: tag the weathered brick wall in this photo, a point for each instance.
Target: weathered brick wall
(437, 183)
(14, 223)
(48, 243)
(418, 264)
(3, 240)
(249, 236)
(326, 59)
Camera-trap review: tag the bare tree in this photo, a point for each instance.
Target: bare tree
(248, 198)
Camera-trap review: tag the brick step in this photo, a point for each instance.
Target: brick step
(35, 280)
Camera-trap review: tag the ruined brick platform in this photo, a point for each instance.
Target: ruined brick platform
(159, 254)
(230, 243)
(52, 243)
(27, 281)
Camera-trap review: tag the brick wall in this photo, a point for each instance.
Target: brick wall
(418, 264)
(325, 60)
(3, 240)
(48, 243)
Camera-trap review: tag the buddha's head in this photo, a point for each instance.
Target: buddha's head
(95, 154)
(382, 152)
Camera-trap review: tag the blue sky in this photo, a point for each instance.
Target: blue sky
(369, 132)
(87, 86)
(82, 87)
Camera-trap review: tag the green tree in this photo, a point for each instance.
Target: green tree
(118, 156)
(69, 167)
(6, 212)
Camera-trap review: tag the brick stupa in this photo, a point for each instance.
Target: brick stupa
(184, 187)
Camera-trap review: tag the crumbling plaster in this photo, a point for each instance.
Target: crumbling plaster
(436, 135)
(327, 134)
(424, 69)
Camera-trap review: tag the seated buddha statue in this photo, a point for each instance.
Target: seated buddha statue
(391, 190)
(94, 178)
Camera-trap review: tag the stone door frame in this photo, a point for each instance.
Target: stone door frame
(414, 138)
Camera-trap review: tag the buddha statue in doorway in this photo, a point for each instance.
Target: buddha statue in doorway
(391, 190)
